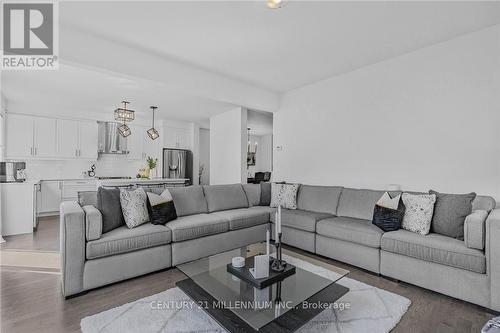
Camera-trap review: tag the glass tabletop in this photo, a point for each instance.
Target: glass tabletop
(257, 307)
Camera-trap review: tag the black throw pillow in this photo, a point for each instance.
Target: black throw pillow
(108, 203)
(389, 219)
(161, 207)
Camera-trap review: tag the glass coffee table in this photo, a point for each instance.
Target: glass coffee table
(236, 305)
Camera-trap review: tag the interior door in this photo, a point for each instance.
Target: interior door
(19, 138)
(88, 139)
(67, 137)
(45, 137)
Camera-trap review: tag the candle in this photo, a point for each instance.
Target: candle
(276, 240)
(268, 239)
(279, 219)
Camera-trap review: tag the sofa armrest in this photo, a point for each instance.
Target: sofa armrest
(474, 229)
(493, 256)
(93, 223)
(72, 235)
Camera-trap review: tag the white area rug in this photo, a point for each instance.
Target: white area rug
(371, 310)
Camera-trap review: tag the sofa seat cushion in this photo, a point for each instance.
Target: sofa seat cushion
(268, 209)
(123, 239)
(351, 229)
(244, 218)
(196, 226)
(300, 219)
(435, 248)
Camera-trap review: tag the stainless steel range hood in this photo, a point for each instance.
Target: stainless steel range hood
(110, 140)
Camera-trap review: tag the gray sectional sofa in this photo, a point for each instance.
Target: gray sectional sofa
(330, 221)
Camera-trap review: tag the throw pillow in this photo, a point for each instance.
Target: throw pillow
(161, 207)
(134, 207)
(284, 195)
(388, 213)
(450, 212)
(108, 203)
(265, 194)
(418, 213)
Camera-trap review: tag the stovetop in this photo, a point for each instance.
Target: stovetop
(113, 177)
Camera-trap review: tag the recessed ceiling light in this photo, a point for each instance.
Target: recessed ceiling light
(274, 4)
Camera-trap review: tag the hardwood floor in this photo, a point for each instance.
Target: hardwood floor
(31, 301)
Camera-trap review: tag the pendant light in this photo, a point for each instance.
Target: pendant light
(152, 132)
(125, 115)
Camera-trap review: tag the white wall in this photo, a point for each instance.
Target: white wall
(427, 119)
(205, 155)
(228, 140)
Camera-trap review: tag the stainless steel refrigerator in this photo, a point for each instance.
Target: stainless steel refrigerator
(178, 163)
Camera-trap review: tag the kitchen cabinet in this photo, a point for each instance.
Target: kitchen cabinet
(67, 132)
(140, 145)
(176, 138)
(87, 139)
(32, 137)
(151, 147)
(20, 136)
(17, 208)
(70, 188)
(50, 197)
(45, 138)
(77, 139)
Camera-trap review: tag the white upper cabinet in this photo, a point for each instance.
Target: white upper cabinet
(87, 139)
(67, 131)
(19, 138)
(176, 138)
(45, 138)
(50, 138)
(183, 138)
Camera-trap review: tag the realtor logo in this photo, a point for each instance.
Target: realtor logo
(29, 36)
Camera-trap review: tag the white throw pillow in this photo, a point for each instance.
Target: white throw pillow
(386, 201)
(134, 207)
(284, 195)
(418, 213)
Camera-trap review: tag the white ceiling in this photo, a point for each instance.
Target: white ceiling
(277, 50)
(73, 91)
(301, 43)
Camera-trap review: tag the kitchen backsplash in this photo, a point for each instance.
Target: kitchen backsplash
(106, 165)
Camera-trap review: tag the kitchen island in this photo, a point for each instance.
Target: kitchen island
(155, 182)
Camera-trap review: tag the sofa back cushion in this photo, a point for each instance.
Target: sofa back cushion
(189, 200)
(108, 203)
(483, 202)
(225, 197)
(265, 194)
(358, 203)
(253, 194)
(321, 199)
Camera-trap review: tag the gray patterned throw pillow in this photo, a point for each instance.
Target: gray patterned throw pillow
(418, 213)
(134, 207)
(284, 195)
